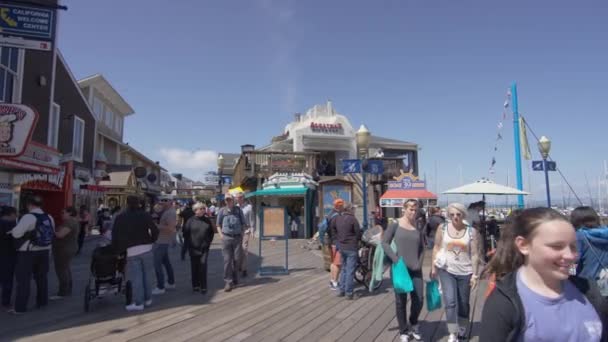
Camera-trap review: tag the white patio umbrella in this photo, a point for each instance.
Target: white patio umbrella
(485, 187)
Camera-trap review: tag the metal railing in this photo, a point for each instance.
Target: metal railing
(256, 164)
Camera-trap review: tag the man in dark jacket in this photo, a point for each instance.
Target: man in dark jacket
(345, 230)
(198, 235)
(135, 232)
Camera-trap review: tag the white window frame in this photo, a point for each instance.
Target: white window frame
(108, 116)
(18, 78)
(54, 121)
(98, 101)
(78, 157)
(118, 124)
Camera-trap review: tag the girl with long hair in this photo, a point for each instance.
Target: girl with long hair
(536, 299)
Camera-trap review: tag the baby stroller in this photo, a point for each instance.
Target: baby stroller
(107, 275)
(371, 240)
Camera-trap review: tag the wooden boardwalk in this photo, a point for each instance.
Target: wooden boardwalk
(296, 307)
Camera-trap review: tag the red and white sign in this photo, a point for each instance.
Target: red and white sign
(37, 158)
(17, 123)
(326, 128)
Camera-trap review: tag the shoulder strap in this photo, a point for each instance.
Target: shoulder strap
(599, 260)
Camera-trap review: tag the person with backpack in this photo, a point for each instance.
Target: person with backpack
(34, 233)
(334, 267)
(231, 223)
(592, 246)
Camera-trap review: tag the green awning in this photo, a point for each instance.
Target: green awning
(289, 191)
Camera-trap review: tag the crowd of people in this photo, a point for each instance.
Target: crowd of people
(548, 275)
(142, 236)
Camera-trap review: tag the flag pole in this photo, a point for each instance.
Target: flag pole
(516, 141)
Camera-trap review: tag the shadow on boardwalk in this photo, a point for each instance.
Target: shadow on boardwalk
(295, 307)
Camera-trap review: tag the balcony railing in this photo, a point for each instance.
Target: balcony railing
(256, 164)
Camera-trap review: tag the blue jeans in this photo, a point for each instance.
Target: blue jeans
(138, 269)
(161, 258)
(456, 292)
(347, 274)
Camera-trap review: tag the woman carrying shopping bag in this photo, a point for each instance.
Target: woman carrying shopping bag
(410, 249)
(455, 261)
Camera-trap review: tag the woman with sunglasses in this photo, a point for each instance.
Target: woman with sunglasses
(455, 261)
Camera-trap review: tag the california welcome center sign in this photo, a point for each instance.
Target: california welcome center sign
(27, 27)
(16, 125)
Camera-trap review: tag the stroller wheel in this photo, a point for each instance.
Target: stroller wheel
(128, 293)
(87, 298)
(360, 275)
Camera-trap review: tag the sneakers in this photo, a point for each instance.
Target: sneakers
(170, 286)
(333, 285)
(148, 302)
(55, 297)
(157, 291)
(15, 312)
(462, 333)
(340, 294)
(452, 338)
(196, 289)
(204, 291)
(415, 333)
(350, 296)
(404, 338)
(134, 307)
(228, 287)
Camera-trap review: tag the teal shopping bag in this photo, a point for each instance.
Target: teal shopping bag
(433, 297)
(402, 282)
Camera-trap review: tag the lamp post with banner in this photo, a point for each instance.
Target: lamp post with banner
(363, 138)
(220, 167)
(544, 147)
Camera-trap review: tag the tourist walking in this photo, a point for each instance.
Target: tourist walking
(435, 221)
(455, 261)
(336, 261)
(8, 253)
(410, 246)
(249, 230)
(135, 232)
(198, 235)
(65, 247)
(167, 223)
(34, 234)
(230, 223)
(85, 221)
(346, 231)
(538, 299)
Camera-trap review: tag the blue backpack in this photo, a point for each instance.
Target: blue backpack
(44, 232)
(324, 225)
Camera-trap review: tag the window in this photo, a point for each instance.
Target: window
(118, 124)
(97, 108)
(78, 139)
(109, 118)
(9, 74)
(54, 118)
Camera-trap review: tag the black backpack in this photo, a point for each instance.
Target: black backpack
(44, 232)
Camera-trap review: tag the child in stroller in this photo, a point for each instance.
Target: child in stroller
(107, 275)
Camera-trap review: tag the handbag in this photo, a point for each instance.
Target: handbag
(402, 281)
(433, 297)
(602, 277)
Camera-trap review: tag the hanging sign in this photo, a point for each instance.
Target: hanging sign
(351, 166)
(16, 125)
(406, 181)
(27, 27)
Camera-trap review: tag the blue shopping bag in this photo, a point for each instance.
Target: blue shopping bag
(402, 282)
(433, 297)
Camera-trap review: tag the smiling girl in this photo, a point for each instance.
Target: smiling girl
(538, 300)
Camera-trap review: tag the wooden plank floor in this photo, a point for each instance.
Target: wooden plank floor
(296, 307)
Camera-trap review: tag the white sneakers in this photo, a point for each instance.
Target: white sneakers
(413, 334)
(148, 302)
(134, 307)
(157, 291)
(404, 338)
(452, 338)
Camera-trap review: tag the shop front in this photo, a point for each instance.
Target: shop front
(406, 186)
(120, 185)
(296, 193)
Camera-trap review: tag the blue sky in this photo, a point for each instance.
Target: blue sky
(206, 76)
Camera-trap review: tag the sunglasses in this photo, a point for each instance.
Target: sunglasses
(164, 200)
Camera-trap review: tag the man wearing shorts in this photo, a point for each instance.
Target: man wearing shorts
(336, 261)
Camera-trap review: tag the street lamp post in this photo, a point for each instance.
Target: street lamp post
(363, 138)
(220, 166)
(544, 146)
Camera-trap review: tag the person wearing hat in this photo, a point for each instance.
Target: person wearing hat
(230, 223)
(336, 262)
